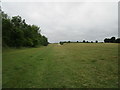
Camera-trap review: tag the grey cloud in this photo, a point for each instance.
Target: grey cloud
(69, 21)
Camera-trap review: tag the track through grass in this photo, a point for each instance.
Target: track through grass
(74, 65)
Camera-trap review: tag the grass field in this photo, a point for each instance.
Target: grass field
(74, 65)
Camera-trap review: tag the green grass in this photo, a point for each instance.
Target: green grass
(74, 65)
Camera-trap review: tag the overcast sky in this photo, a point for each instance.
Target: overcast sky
(69, 20)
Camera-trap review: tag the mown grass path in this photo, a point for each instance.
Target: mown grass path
(62, 66)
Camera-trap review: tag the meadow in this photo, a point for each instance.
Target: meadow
(72, 65)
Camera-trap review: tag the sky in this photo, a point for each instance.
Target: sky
(70, 20)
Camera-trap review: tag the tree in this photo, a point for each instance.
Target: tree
(118, 40)
(112, 39)
(61, 43)
(83, 41)
(6, 31)
(96, 41)
(68, 41)
(106, 40)
(16, 33)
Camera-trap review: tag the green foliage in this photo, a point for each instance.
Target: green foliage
(96, 41)
(112, 40)
(16, 33)
(61, 43)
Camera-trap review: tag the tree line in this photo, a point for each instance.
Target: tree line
(112, 40)
(106, 40)
(17, 33)
(62, 42)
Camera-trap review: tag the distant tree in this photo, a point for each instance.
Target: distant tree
(61, 43)
(91, 41)
(112, 39)
(118, 40)
(68, 41)
(96, 41)
(77, 41)
(83, 41)
(106, 40)
(87, 42)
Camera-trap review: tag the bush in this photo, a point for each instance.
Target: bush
(61, 43)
